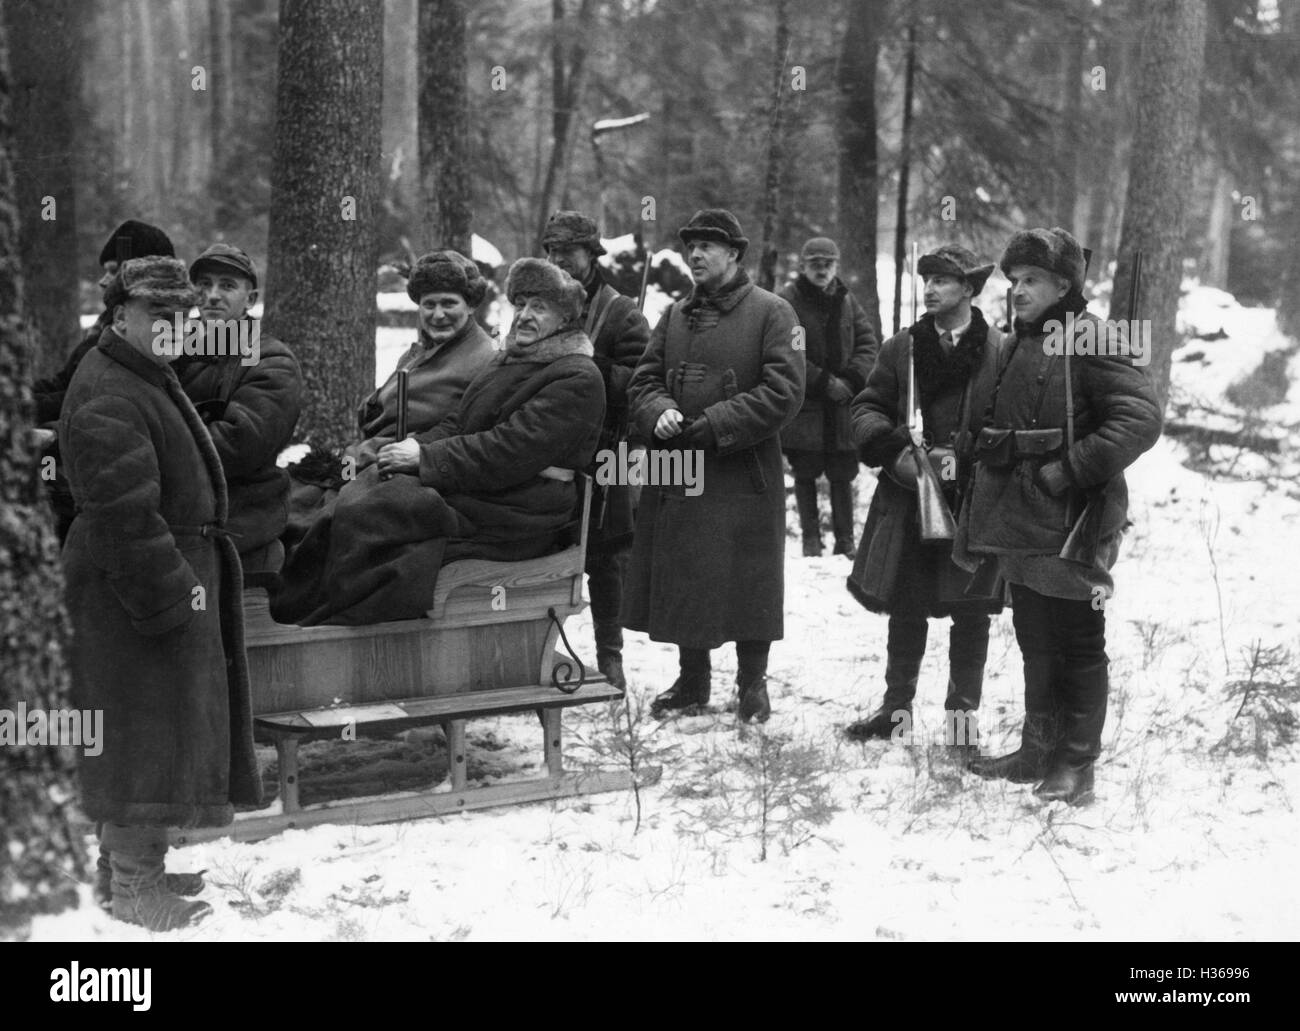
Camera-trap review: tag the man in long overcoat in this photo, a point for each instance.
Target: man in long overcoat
(154, 594)
(722, 375)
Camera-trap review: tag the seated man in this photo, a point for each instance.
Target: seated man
(493, 480)
(451, 349)
(247, 387)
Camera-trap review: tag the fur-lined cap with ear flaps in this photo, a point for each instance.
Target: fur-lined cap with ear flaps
(446, 272)
(157, 280)
(1052, 249)
(715, 224)
(954, 260)
(533, 277)
(572, 229)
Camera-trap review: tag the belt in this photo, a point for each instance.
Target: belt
(209, 530)
(554, 472)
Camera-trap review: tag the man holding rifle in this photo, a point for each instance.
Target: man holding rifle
(1049, 502)
(619, 334)
(924, 400)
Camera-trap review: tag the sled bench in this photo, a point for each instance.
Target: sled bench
(488, 646)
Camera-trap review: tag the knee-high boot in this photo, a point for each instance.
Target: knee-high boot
(842, 516)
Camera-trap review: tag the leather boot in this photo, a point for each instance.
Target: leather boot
(1070, 778)
(187, 884)
(687, 690)
(805, 496)
(968, 649)
(751, 681)
(842, 516)
(610, 664)
(901, 676)
(1038, 733)
(140, 894)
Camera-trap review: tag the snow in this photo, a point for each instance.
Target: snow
(1188, 840)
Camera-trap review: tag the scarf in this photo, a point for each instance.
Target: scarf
(937, 371)
(830, 306)
(564, 341)
(1071, 303)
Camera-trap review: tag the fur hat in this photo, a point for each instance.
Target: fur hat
(533, 277)
(820, 247)
(134, 239)
(572, 229)
(162, 280)
(715, 224)
(957, 261)
(446, 272)
(1052, 249)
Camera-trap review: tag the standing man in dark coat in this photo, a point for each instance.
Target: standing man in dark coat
(618, 333)
(723, 374)
(1032, 484)
(154, 594)
(955, 352)
(249, 402)
(131, 239)
(840, 349)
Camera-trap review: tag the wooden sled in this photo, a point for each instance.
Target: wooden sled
(489, 646)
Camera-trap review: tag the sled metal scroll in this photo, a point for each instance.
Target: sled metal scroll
(562, 672)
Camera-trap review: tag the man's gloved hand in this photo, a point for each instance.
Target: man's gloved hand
(1052, 478)
(838, 391)
(699, 435)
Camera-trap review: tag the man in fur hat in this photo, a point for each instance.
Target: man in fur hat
(618, 333)
(840, 349)
(722, 375)
(154, 596)
(1060, 432)
(955, 353)
(131, 239)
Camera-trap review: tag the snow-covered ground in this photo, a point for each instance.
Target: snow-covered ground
(1193, 835)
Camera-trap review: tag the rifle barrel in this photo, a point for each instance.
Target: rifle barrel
(402, 377)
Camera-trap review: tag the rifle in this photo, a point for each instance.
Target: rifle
(933, 514)
(402, 377)
(1085, 538)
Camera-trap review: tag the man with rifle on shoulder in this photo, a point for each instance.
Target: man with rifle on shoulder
(916, 418)
(1049, 503)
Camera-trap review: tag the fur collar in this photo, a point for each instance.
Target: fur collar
(815, 295)
(563, 342)
(937, 372)
(731, 294)
(1073, 302)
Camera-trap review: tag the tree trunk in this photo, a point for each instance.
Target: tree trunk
(325, 183)
(42, 857)
(45, 91)
(221, 79)
(904, 175)
(444, 125)
(859, 197)
(1168, 85)
(401, 131)
(775, 143)
(1068, 132)
(566, 87)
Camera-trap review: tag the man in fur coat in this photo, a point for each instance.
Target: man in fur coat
(840, 349)
(722, 375)
(1060, 433)
(154, 594)
(955, 352)
(494, 480)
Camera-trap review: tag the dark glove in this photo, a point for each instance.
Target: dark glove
(838, 391)
(698, 435)
(1052, 478)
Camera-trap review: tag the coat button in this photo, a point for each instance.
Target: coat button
(1042, 378)
(444, 469)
